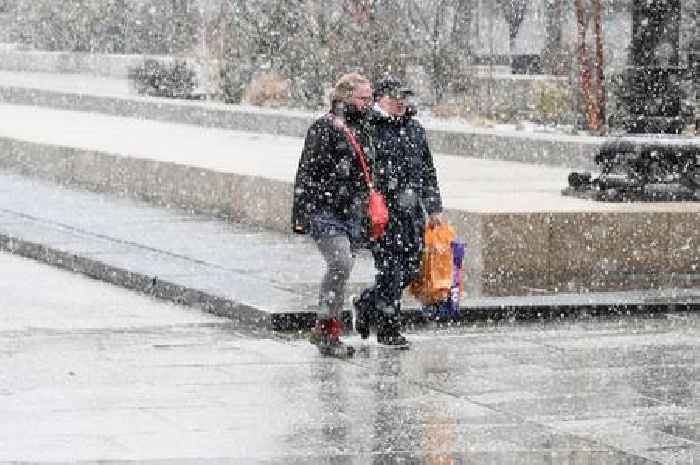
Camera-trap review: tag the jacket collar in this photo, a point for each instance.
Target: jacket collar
(379, 115)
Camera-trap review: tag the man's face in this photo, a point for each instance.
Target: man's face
(362, 96)
(394, 105)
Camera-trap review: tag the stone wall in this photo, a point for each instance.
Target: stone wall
(549, 252)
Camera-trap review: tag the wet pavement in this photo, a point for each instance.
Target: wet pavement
(102, 374)
(115, 239)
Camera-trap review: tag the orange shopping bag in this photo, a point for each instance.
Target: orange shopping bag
(435, 280)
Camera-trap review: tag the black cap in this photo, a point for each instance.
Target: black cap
(392, 87)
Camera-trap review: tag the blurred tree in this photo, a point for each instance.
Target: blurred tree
(437, 31)
(377, 22)
(229, 43)
(514, 13)
(307, 41)
(108, 26)
(312, 50)
(273, 35)
(592, 77)
(553, 56)
(112, 31)
(166, 26)
(6, 21)
(312, 42)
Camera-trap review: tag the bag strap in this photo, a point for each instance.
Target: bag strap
(357, 148)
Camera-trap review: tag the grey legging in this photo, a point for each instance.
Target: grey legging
(337, 251)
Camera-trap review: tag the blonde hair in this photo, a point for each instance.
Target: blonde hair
(346, 86)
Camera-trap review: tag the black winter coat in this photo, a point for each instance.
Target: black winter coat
(329, 179)
(406, 175)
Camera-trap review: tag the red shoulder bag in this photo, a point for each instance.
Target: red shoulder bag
(377, 209)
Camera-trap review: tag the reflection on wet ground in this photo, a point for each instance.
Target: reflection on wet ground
(600, 392)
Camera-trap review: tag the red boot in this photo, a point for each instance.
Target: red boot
(326, 335)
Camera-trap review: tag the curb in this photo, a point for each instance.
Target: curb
(248, 317)
(242, 315)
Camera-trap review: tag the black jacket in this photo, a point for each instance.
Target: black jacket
(404, 166)
(406, 175)
(329, 180)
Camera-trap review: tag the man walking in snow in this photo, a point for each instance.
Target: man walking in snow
(405, 174)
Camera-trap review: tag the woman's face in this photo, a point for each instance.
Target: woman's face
(362, 96)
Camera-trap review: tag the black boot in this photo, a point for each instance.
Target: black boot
(388, 332)
(363, 317)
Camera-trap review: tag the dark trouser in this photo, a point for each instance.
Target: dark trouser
(397, 258)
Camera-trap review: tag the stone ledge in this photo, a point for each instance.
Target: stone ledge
(242, 315)
(519, 93)
(551, 252)
(247, 199)
(253, 319)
